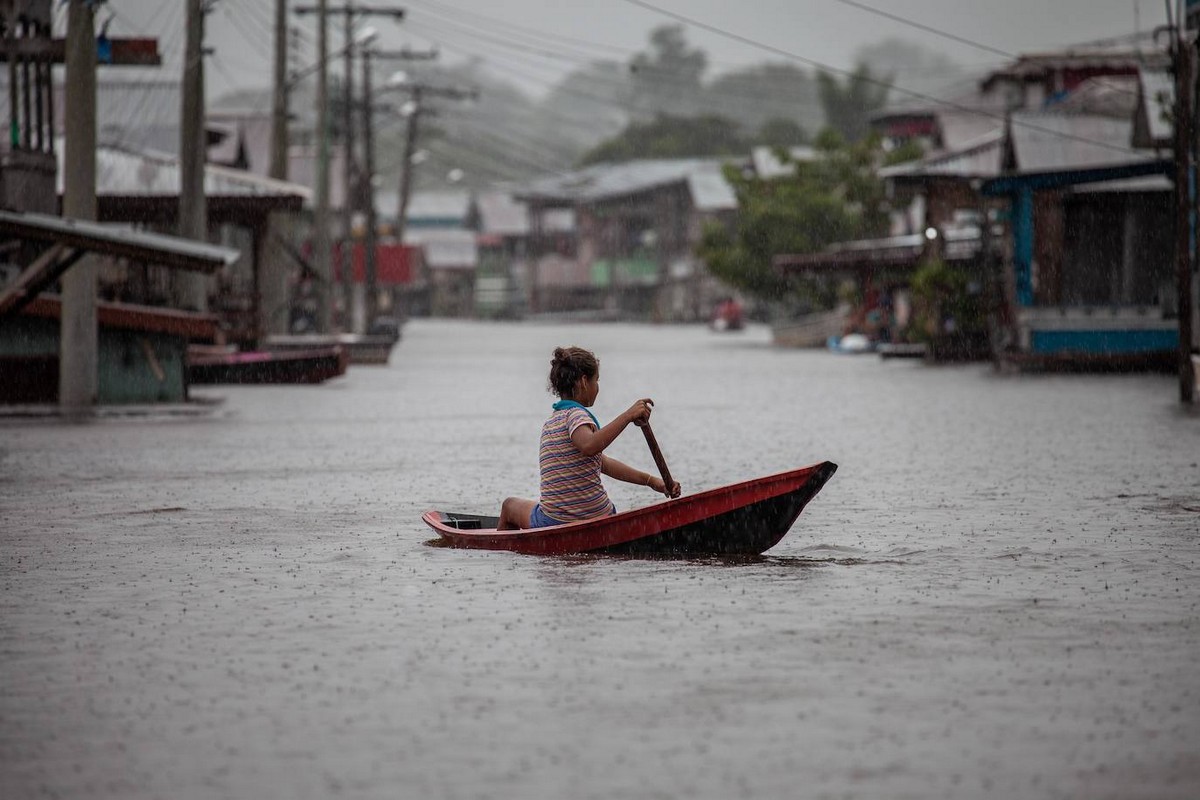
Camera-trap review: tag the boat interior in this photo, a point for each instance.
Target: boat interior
(469, 522)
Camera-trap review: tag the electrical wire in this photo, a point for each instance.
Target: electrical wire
(737, 37)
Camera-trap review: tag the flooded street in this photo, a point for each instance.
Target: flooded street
(997, 595)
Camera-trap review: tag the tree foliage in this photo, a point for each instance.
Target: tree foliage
(669, 78)
(849, 104)
(835, 197)
(671, 137)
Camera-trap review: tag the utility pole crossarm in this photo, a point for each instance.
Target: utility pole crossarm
(380, 11)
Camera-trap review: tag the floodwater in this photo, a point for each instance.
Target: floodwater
(995, 596)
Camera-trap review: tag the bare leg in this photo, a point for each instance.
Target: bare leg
(514, 513)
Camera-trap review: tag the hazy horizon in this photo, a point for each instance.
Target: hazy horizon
(534, 46)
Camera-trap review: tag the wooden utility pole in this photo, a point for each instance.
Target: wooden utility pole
(1184, 58)
(79, 377)
(193, 146)
(279, 101)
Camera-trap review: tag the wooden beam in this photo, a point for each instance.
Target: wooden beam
(44, 270)
(148, 248)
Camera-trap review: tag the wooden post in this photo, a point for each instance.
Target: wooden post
(79, 375)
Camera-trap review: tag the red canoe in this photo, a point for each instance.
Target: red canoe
(743, 519)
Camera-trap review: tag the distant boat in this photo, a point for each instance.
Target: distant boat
(215, 365)
(810, 330)
(850, 344)
(742, 519)
(897, 350)
(373, 347)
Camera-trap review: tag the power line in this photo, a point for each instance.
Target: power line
(737, 37)
(927, 28)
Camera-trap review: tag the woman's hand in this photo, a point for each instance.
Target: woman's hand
(639, 412)
(657, 485)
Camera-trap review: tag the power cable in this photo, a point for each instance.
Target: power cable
(737, 37)
(927, 28)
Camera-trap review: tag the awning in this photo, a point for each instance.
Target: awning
(70, 239)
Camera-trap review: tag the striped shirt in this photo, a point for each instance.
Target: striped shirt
(571, 486)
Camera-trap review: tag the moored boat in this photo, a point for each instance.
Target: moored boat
(745, 518)
(211, 365)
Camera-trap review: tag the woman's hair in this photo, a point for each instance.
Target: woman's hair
(568, 366)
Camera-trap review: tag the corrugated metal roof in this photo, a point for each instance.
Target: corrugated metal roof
(767, 164)
(606, 181)
(1046, 142)
(501, 214)
(445, 248)
(978, 159)
(1119, 56)
(710, 191)
(123, 173)
(440, 205)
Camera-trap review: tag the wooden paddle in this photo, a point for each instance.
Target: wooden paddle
(658, 458)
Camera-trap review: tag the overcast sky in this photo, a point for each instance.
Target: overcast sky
(533, 42)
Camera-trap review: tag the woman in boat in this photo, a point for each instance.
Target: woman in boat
(571, 455)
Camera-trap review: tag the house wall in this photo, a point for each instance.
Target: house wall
(1117, 250)
(134, 366)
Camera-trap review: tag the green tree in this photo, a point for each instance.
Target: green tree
(849, 104)
(781, 133)
(757, 94)
(835, 197)
(669, 78)
(671, 137)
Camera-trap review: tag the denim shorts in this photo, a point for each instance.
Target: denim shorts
(539, 518)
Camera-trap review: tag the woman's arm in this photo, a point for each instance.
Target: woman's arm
(623, 472)
(592, 442)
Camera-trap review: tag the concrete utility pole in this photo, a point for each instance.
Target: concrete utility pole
(367, 191)
(349, 167)
(1184, 58)
(273, 268)
(367, 196)
(193, 147)
(279, 100)
(350, 11)
(320, 236)
(79, 377)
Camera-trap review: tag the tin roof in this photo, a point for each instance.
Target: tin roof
(767, 164)
(1036, 66)
(445, 248)
(1050, 142)
(703, 176)
(501, 214)
(125, 173)
(444, 206)
(978, 159)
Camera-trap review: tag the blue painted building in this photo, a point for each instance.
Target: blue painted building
(1089, 276)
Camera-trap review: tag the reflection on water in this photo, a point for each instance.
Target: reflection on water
(994, 596)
